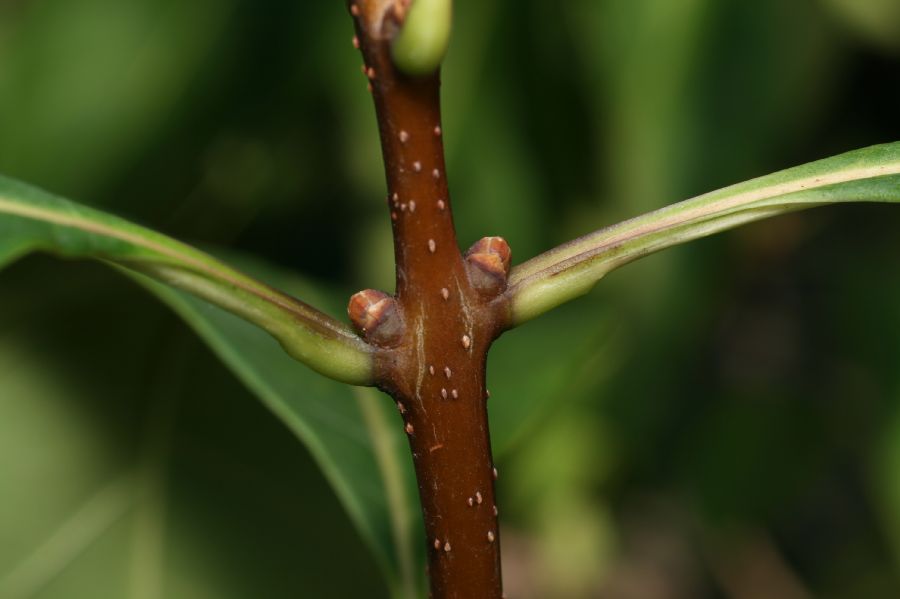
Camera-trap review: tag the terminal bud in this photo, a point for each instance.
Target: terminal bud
(377, 317)
(488, 261)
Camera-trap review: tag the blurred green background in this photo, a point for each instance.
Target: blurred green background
(720, 421)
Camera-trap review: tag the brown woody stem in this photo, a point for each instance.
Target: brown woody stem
(436, 372)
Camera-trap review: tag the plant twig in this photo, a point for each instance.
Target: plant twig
(444, 317)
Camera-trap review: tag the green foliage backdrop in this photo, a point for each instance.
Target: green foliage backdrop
(719, 420)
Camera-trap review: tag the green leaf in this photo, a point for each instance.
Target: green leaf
(33, 220)
(350, 432)
(353, 434)
(570, 270)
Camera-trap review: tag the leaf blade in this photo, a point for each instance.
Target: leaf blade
(571, 270)
(33, 220)
(233, 313)
(327, 417)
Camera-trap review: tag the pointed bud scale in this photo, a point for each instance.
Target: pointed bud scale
(492, 245)
(489, 260)
(376, 316)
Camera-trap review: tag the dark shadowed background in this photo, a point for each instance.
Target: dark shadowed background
(722, 421)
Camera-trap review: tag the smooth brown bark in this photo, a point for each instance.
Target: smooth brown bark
(436, 373)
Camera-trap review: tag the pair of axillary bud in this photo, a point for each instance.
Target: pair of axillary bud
(379, 319)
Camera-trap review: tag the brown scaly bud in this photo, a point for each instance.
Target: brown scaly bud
(377, 317)
(488, 261)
